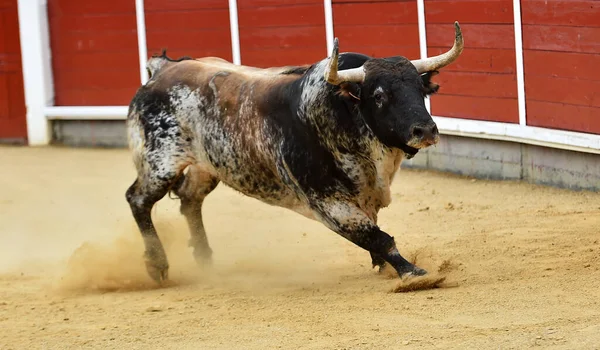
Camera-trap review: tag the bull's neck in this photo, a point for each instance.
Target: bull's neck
(321, 107)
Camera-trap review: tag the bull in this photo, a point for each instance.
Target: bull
(323, 140)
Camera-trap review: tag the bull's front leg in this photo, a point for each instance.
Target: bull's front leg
(352, 223)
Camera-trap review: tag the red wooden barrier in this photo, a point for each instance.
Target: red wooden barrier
(94, 52)
(377, 28)
(278, 33)
(188, 28)
(561, 42)
(482, 84)
(12, 100)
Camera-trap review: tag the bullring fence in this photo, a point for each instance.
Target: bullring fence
(528, 73)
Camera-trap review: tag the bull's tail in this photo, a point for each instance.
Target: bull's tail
(156, 63)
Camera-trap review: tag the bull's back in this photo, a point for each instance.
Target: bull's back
(216, 106)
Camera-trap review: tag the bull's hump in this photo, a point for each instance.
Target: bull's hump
(208, 66)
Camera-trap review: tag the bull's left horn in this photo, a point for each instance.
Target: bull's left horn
(436, 62)
(356, 75)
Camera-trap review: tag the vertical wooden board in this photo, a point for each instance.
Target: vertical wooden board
(576, 13)
(79, 29)
(577, 92)
(504, 110)
(500, 61)
(377, 29)
(561, 38)
(561, 56)
(562, 64)
(189, 29)
(563, 116)
(482, 83)
(477, 84)
(489, 11)
(12, 112)
(272, 28)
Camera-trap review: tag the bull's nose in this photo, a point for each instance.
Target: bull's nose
(426, 134)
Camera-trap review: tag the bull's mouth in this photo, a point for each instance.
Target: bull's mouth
(415, 144)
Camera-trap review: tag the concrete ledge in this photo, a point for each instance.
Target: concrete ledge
(89, 133)
(499, 160)
(480, 158)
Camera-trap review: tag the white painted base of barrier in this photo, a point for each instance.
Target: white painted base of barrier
(569, 140)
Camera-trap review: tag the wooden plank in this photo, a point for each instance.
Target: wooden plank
(197, 40)
(277, 57)
(89, 60)
(563, 116)
(489, 11)
(410, 52)
(8, 4)
(282, 37)
(12, 108)
(481, 60)
(477, 84)
(183, 5)
(562, 64)
(184, 21)
(368, 1)
(359, 14)
(570, 39)
(65, 7)
(176, 52)
(301, 15)
(105, 22)
(478, 108)
(489, 36)
(379, 35)
(96, 79)
(10, 63)
(575, 13)
(275, 3)
(571, 91)
(96, 97)
(9, 39)
(12, 115)
(93, 41)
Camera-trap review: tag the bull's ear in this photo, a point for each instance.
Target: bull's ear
(350, 91)
(429, 87)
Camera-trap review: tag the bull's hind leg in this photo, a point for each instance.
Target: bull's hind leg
(192, 188)
(155, 178)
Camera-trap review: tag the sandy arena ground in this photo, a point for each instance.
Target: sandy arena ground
(524, 266)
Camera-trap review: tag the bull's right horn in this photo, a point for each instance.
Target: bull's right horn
(335, 77)
(436, 62)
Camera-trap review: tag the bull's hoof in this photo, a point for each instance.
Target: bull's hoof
(157, 267)
(202, 260)
(158, 273)
(416, 271)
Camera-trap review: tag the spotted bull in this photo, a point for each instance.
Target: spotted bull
(323, 140)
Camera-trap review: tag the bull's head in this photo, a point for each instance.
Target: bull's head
(390, 95)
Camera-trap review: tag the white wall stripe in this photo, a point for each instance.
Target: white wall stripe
(36, 66)
(235, 32)
(140, 17)
(329, 35)
(422, 39)
(519, 60)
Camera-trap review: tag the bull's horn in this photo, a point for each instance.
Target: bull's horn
(434, 63)
(334, 77)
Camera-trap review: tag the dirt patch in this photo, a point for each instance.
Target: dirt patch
(511, 265)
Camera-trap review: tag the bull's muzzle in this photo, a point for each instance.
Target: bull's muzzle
(422, 136)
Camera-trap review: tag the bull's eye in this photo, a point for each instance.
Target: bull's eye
(379, 96)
